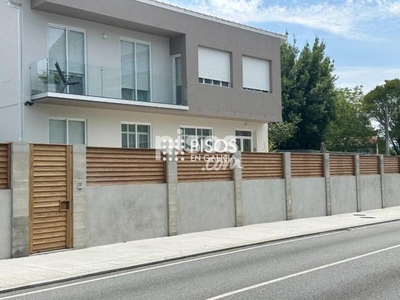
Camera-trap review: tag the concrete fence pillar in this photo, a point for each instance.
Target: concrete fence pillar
(172, 186)
(357, 174)
(327, 175)
(287, 172)
(79, 196)
(382, 173)
(20, 173)
(237, 177)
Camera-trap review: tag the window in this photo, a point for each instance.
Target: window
(256, 74)
(135, 136)
(195, 133)
(177, 78)
(135, 71)
(65, 131)
(244, 140)
(67, 48)
(214, 67)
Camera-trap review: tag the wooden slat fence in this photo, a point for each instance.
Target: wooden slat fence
(342, 165)
(392, 165)
(307, 165)
(5, 166)
(119, 166)
(369, 165)
(262, 165)
(191, 168)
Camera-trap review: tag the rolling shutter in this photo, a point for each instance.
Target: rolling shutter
(214, 64)
(256, 74)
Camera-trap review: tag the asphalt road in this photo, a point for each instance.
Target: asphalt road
(362, 263)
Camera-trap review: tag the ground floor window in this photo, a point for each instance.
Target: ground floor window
(244, 140)
(67, 131)
(135, 136)
(195, 133)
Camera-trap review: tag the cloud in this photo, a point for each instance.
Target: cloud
(368, 77)
(352, 19)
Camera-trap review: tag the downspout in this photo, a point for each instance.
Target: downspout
(18, 7)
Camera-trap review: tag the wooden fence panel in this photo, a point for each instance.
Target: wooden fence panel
(191, 169)
(307, 165)
(392, 165)
(120, 166)
(369, 165)
(5, 166)
(342, 165)
(262, 165)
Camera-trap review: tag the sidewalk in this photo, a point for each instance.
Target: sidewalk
(59, 266)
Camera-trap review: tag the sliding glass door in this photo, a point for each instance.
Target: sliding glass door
(135, 71)
(67, 70)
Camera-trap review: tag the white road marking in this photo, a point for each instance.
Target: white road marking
(263, 284)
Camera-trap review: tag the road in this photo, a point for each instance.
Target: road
(362, 263)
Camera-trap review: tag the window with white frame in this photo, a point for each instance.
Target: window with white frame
(244, 140)
(256, 74)
(195, 133)
(67, 131)
(135, 135)
(214, 67)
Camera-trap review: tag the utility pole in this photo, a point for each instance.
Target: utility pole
(387, 129)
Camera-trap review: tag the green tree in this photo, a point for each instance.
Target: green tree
(351, 130)
(308, 94)
(375, 103)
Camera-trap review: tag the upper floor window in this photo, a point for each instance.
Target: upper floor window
(214, 67)
(256, 74)
(135, 136)
(66, 131)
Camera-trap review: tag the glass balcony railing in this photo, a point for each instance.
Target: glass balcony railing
(51, 76)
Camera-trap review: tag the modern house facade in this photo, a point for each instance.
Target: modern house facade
(120, 73)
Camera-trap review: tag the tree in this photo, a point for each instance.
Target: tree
(308, 94)
(375, 103)
(351, 130)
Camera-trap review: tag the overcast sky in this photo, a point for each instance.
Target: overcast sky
(362, 36)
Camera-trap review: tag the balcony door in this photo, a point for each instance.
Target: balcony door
(67, 48)
(135, 71)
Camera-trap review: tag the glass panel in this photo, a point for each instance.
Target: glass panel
(132, 128)
(57, 131)
(124, 127)
(76, 132)
(125, 140)
(143, 128)
(56, 46)
(128, 70)
(76, 61)
(132, 140)
(243, 133)
(239, 144)
(247, 145)
(144, 141)
(178, 80)
(143, 71)
(189, 131)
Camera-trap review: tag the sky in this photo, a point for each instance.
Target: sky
(361, 36)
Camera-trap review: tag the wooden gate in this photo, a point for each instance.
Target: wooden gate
(50, 197)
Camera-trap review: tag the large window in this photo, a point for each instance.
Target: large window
(214, 67)
(256, 74)
(66, 47)
(244, 140)
(66, 131)
(135, 136)
(135, 71)
(195, 133)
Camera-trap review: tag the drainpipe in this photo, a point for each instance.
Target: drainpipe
(18, 7)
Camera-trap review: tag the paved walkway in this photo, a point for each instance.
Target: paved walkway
(58, 266)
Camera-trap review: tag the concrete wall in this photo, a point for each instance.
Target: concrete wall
(370, 189)
(263, 201)
(206, 206)
(343, 194)
(309, 197)
(124, 213)
(392, 189)
(5, 223)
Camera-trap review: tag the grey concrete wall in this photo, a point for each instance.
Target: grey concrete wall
(263, 201)
(206, 206)
(124, 213)
(392, 189)
(5, 224)
(343, 194)
(370, 192)
(309, 198)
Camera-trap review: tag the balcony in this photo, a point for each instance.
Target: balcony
(60, 82)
